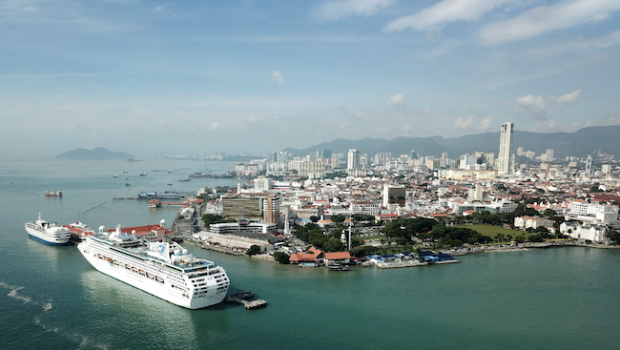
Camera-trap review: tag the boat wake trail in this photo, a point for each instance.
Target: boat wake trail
(84, 342)
(13, 292)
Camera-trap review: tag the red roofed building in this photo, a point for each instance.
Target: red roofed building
(151, 233)
(386, 217)
(337, 257)
(312, 256)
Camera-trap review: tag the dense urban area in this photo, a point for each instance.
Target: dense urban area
(334, 207)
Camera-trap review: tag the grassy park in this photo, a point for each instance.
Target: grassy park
(492, 231)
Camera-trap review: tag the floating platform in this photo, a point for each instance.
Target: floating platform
(248, 304)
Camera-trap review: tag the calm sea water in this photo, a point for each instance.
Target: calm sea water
(50, 297)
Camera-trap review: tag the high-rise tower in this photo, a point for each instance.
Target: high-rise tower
(588, 171)
(353, 161)
(504, 166)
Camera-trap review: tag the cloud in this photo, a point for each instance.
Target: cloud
(215, 126)
(277, 77)
(566, 99)
(578, 45)
(159, 9)
(538, 106)
(544, 19)
(535, 104)
(485, 124)
(444, 12)
(396, 100)
(464, 124)
(335, 10)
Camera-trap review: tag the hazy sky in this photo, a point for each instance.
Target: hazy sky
(209, 76)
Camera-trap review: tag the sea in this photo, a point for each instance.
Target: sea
(52, 298)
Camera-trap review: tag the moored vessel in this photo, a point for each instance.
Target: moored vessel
(49, 233)
(163, 269)
(53, 194)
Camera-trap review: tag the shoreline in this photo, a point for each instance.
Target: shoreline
(527, 246)
(490, 249)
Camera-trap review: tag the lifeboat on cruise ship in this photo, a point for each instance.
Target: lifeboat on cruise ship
(160, 280)
(141, 272)
(150, 275)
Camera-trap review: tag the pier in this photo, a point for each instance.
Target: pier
(248, 304)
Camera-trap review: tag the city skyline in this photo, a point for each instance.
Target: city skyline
(142, 77)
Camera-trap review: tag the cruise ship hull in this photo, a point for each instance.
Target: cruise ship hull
(41, 237)
(166, 290)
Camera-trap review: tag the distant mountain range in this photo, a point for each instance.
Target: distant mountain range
(580, 143)
(95, 154)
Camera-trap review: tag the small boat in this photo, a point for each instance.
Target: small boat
(115, 176)
(128, 184)
(142, 174)
(338, 267)
(53, 194)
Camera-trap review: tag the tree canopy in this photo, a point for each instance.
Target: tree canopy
(281, 257)
(254, 249)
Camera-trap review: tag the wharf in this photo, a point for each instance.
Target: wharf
(395, 265)
(248, 304)
(214, 248)
(446, 262)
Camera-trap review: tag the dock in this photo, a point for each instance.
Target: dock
(248, 304)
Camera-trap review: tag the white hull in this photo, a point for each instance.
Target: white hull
(45, 237)
(142, 274)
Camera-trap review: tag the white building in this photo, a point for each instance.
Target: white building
(353, 160)
(592, 232)
(600, 212)
(262, 183)
(366, 208)
(534, 222)
(505, 150)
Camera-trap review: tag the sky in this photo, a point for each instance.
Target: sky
(258, 76)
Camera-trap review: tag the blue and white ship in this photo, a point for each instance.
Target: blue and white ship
(49, 233)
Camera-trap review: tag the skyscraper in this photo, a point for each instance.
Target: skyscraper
(588, 171)
(505, 149)
(353, 161)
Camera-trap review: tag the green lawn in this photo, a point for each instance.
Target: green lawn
(492, 231)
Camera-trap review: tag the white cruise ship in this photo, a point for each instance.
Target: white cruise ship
(49, 233)
(163, 269)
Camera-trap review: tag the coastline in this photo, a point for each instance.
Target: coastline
(527, 246)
